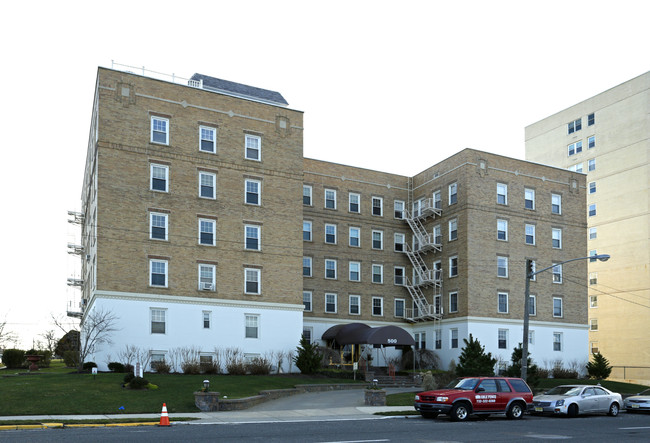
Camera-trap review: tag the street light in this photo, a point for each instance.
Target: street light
(530, 274)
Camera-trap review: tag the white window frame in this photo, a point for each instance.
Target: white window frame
(212, 133)
(257, 273)
(247, 191)
(556, 238)
(557, 341)
(213, 224)
(156, 129)
(502, 266)
(437, 199)
(574, 126)
(253, 144)
(378, 306)
(532, 305)
(373, 207)
(556, 201)
(453, 301)
(591, 142)
(307, 223)
(153, 262)
(352, 196)
(307, 191)
(381, 239)
(333, 301)
(378, 274)
(203, 283)
(399, 304)
(152, 175)
(502, 336)
(529, 230)
(574, 148)
(556, 271)
(529, 196)
(307, 263)
(592, 187)
(593, 301)
(351, 270)
(331, 265)
(307, 301)
(593, 278)
(502, 194)
(593, 233)
(593, 324)
(253, 229)
(402, 277)
(398, 209)
(356, 237)
(164, 217)
(453, 194)
(451, 259)
(158, 315)
(558, 303)
(331, 199)
(502, 296)
(213, 178)
(330, 226)
(591, 164)
(251, 326)
(502, 227)
(437, 235)
(356, 303)
(453, 338)
(453, 229)
(592, 210)
(207, 319)
(399, 240)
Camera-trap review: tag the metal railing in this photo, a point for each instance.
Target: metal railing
(155, 74)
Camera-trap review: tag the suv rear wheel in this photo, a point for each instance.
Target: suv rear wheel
(515, 411)
(459, 412)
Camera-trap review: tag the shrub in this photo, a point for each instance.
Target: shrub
(473, 359)
(161, 367)
(128, 377)
(138, 383)
(89, 365)
(424, 359)
(128, 368)
(70, 358)
(259, 366)
(13, 358)
(115, 367)
(599, 368)
(236, 368)
(191, 367)
(338, 373)
(561, 372)
(211, 368)
(308, 358)
(329, 356)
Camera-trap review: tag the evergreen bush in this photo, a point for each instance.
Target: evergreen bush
(138, 383)
(307, 358)
(88, 365)
(13, 358)
(473, 359)
(115, 367)
(599, 368)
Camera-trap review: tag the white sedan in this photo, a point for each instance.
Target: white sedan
(638, 402)
(572, 400)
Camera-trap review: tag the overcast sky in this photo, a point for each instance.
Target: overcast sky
(392, 86)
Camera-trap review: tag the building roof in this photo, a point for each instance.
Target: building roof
(240, 90)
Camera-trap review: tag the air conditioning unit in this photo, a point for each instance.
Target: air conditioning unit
(206, 286)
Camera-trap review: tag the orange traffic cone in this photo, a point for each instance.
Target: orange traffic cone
(164, 418)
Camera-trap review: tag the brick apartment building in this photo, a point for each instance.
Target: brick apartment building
(192, 212)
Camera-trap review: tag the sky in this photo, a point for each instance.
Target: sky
(391, 86)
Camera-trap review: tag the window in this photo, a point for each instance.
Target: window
(453, 266)
(330, 303)
(591, 142)
(437, 304)
(593, 324)
(557, 273)
(252, 237)
(207, 185)
(206, 319)
(576, 168)
(453, 302)
(253, 147)
(252, 281)
(398, 206)
(399, 240)
(575, 148)
(377, 240)
(330, 234)
(207, 277)
(160, 130)
(593, 301)
(502, 303)
(593, 233)
(306, 230)
(437, 270)
(158, 273)
(417, 207)
(207, 139)
(556, 204)
(378, 274)
(575, 126)
(252, 192)
(594, 347)
(530, 234)
(453, 229)
(591, 119)
(557, 307)
(557, 341)
(378, 206)
(453, 334)
(592, 210)
(532, 305)
(355, 237)
(593, 278)
(306, 300)
(593, 254)
(354, 269)
(437, 235)
(306, 195)
(592, 187)
(355, 305)
(529, 198)
(437, 200)
(453, 193)
(437, 338)
(420, 340)
(377, 306)
(330, 268)
(355, 202)
(399, 307)
(158, 321)
(502, 194)
(207, 232)
(306, 266)
(159, 178)
(400, 273)
(531, 337)
(502, 230)
(503, 339)
(307, 334)
(556, 235)
(158, 226)
(591, 165)
(330, 199)
(252, 326)
(502, 267)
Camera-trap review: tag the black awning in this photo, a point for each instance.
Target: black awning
(389, 336)
(360, 334)
(346, 334)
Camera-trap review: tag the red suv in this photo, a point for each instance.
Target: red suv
(477, 395)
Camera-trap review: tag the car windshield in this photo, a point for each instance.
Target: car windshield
(463, 383)
(565, 390)
(646, 392)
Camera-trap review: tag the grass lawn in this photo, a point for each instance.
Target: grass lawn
(59, 391)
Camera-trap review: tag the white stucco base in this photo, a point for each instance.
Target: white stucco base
(280, 326)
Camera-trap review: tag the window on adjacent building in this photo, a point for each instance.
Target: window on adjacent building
(593, 301)
(530, 234)
(574, 126)
(158, 226)
(306, 195)
(306, 300)
(453, 302)
(529, 198)
(206, 319)
(502, 302)
(399, 307)
(378, 273)
(399, 273)
(574, 148)
(378, 206)
(207, 230)
(330, 199)
(158, 273)
(377, 306)
(330, 234)
(252, 237)
(556, 204)
(557, 307)
(355, 305)
(576, 168)
(399, 240)
(159, 178)
(252, 281)
(437, 235)
(207, 185)
(502, 267)
(453, 334)
(253, 192)
(593, 324)
(557, 341)
(330, 303)
(503, 338)
(593, 254)
(377, 240)
(252, 326)
(158, 321)
(453, 266)
(594, 347)
(453, 229)
(354, 202)
(306, 230)
(306, 266)
(591, 165)
(398, 207)
(160, 130)
(592, 210)
(253, 147)
(557, 273)
(593, 233)
(502, 194)
(591, 119)
(502, 230)
(532, 305)
(593, 278)
(355, 237)
(354, 269)
(591, 142)
(453, 193)
(207, 277)
(556, 235)
(207, 139)
(592, 187)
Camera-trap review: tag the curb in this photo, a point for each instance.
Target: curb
(62, 426)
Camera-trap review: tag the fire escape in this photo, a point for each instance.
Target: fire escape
(74, 308)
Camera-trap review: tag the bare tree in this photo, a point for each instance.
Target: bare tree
(50, 340)
(6, 336)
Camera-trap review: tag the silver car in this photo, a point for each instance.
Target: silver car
(572, 400)
(638, 402)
